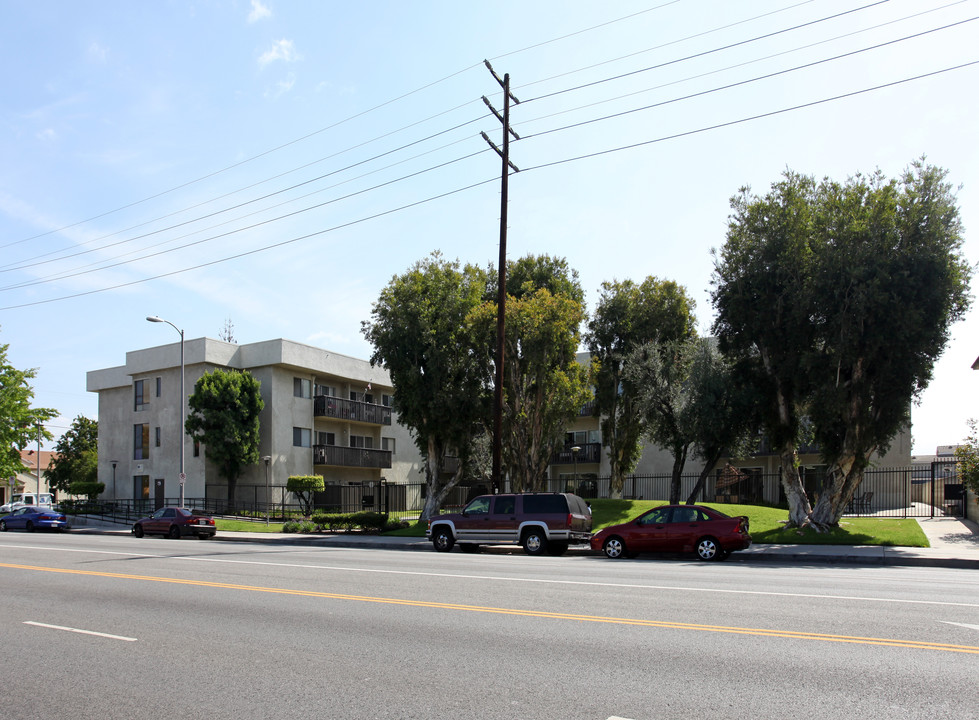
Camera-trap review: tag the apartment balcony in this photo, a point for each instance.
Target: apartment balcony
(587, 410)
(340, 456)
(353, 410)
(589, 453)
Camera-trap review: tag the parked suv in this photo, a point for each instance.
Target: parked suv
(540, 522)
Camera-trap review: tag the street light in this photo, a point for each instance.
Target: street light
(574, 453)
(268, 463)
(183, 399)
(114, 463)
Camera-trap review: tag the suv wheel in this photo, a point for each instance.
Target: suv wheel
(534, 542)
(442, 539)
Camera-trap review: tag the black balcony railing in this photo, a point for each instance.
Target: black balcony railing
(587, 410)
(589, 453)
(340, 456)
(334, 407)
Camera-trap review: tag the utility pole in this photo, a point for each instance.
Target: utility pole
(501, 291)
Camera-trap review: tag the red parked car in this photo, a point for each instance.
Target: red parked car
(709, 533)
(174, 522)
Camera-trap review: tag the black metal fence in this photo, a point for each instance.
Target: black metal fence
(920, 491)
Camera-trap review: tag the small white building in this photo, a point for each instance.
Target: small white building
(325, 414)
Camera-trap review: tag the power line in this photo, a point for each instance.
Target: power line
(78, 272)
(707, 52)
(748, 119)
(314, 133)
(750, 80)
(541, 166)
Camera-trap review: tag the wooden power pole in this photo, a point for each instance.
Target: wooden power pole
(501, 291)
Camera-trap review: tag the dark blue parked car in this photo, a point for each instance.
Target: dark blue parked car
(32, 517)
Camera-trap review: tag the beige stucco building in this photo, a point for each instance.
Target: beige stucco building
(325, 414)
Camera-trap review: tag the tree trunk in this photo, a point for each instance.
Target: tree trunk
(709, 463)
(679, 461)
(437, 492)
(843, 477)
(795, 492)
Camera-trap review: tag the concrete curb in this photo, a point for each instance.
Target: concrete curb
(844, 555)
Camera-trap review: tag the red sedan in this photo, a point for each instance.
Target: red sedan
(709, 533)
(175, 522)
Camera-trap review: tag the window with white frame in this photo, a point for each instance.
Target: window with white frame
(387, 443)
(327, 390)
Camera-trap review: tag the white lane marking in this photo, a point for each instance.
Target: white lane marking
(965, 625)
(497, 578)
(77, 630)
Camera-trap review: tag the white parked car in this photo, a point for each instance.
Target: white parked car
(21, 499)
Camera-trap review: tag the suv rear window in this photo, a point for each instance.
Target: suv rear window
(543, 504)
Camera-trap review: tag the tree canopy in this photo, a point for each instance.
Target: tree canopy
(544, 386)
(224, 410)
(626, 317)
(840, 298)
(421, 333)
(19, 421)
(76, 455)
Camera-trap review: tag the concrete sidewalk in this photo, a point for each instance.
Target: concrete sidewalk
(954, 544)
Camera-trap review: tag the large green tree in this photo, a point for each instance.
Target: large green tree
(544, 385)
(421, 332)
(764, 314)
(692, 404)
(76, 455)
(20, 423)
(224, 409)
(627, 316)
(890, 281)
(839, 297)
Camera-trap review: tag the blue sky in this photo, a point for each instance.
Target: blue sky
(246, 160)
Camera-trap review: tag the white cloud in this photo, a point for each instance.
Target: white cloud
(281, 87)
(259, 12)
(281, 50)
(98, 53)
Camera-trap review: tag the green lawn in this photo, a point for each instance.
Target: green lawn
(246, 526)
(766, 525)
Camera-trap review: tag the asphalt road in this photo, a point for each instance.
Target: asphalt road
(115, 627)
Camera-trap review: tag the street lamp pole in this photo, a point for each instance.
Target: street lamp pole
(574, 453)
(183, 403)
(268, 463)
(114, 463)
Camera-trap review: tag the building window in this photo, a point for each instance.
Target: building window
(326, 438)
(302, 437)
(197, 448)
(387, 444)
(157, 431)
(141, 487)
(361, 441)
(141, 442)
(301, 388)
(387, 400)
(364, 397)
(159, 386)
(327, 390)
(140, 399)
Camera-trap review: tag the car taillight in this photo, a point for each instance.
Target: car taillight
(570, 519)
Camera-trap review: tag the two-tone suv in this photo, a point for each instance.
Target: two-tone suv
(540, 522)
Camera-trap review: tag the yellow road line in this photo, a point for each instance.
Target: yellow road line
(762, 632)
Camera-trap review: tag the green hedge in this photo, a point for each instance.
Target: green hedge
(333, 522)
